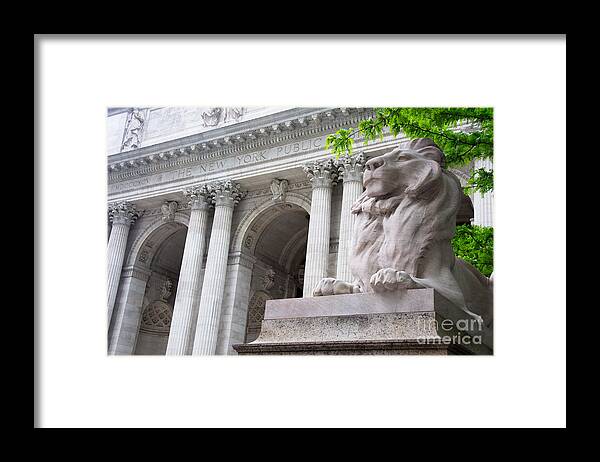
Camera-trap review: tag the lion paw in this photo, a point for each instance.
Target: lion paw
(390, 279)
(332, 286)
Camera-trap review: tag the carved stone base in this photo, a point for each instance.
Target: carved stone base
(417, 321)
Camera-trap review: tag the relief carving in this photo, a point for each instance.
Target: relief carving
(268, 280)
(158, 314)
(168, 210)
(133, 129)
(211, 117)
(215, 116)
(279, 189)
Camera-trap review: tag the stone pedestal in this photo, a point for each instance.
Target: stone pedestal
(416, 321)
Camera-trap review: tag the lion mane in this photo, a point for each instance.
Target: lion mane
(407, 222)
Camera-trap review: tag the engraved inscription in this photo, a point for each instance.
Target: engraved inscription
(219, 165)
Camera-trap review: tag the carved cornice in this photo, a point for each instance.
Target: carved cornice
(322, 173)
(123, 213)
(153, 159)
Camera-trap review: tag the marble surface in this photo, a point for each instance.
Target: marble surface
(414, 300)
(362, 323)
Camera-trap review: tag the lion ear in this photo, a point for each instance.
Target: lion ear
(428, 182)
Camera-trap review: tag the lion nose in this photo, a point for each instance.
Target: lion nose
(374, 163)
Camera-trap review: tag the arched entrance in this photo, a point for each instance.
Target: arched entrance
(141, 321)
(276, 238)
(159, 296)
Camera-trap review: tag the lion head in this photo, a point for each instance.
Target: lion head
(410, 169)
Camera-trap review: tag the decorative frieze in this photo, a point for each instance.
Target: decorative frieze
(248, 141)
(211, 117)
(159, 211)
(269, 191)
(216, 116)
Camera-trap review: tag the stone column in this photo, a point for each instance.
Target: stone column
(122, 215)
(351, 171)
(323, 177)
(483, 204)
(127, 313)
(226, 194)
(232, 328)
(188, 287)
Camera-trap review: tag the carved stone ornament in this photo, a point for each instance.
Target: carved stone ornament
(216, 116)
(322, 173)
(122, 213)
(405, 221)
(168, 210)
(300, 276)
(133, 129)
(351, 167)
(268, 280)
(157, 317)
(211, 117)
(199, 196)
(226, 192)
(279, 189)
(166, 289)
(158, 314)
(233, 114)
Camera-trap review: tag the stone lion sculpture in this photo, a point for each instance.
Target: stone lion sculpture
(405, 221)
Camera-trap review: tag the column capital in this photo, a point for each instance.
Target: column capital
(351, 167)
(123, 213)
(199, 197)
(226, 193)
(322, 173)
